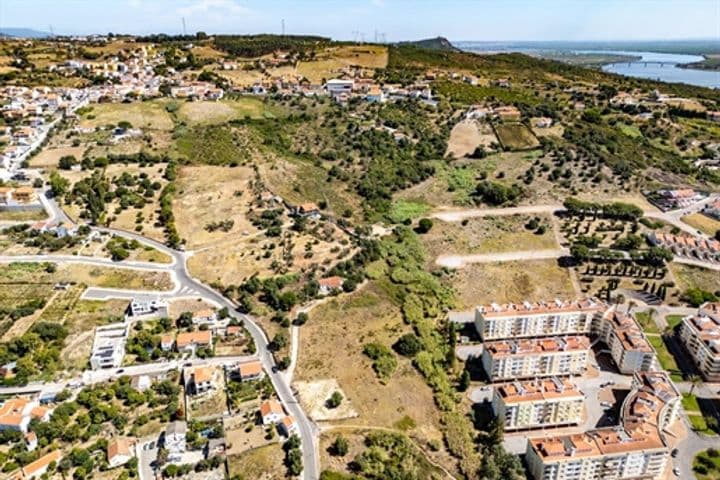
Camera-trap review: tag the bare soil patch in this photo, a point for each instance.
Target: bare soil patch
(314, 396)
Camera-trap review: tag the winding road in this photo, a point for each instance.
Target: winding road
(186, 285)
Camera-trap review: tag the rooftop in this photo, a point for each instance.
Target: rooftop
(540, 308)
(505, 348)
(538, 390)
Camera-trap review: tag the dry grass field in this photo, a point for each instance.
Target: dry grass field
(146, 115)
(695, 277)
(467, 135)
(242, 78)
(123, 278)
(49, 157)
(208, 194)
(330, 61)
(703, 223)
(516, 136)
(345, 324)
(511, 282)
(209, 112)
(263, 463)
(488, 235)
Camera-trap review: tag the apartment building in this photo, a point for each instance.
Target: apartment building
(145, 308)
(539, 357)
(700, 334)
(538, 403)
(636, 449)
(495, 322)
(628, 346)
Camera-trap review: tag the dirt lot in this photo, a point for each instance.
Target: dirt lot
(208, 194)
(467, 135)
(114, 277)
(264, 463)
(346, 324)
(49, 157)
(516, 136)
(488, 235)
(145, 115)
(511, 282)
(313, 396)
(29, 216)
(703, 223)
(187, 305)
(553, 131)
(208, 112)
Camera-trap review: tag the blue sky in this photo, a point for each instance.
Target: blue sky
(398, 19)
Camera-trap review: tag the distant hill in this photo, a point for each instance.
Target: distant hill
(23, 33)
(437, 43)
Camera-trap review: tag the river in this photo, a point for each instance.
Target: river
(663, 67)
(653, 66)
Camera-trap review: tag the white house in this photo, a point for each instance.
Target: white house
(175, 439)
(271, 412)
(147, 308)
(119, 452)
(338, 86)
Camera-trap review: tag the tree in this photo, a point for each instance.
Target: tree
(408, 345)
(464, 382)
(717, 235)
(695, 381)
(301, 319)
(340, 446)
(184, 320)
(424, 225)
(335, 400)
(66, 162)
(58, 184)
(580, 252)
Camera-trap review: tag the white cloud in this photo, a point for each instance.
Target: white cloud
(213, 7)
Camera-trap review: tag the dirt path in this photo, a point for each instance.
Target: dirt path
(460, 215)
(459, 261)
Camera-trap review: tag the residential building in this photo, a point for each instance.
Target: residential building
(339, 86)
(167, 342)
(119, 452)
(40, 466)
(540, 357)
(288, 426)
(204, 317)
(507, 112)
(635, 449)
(148, 308)
(688, 245)
(495, 322)
(200, 381)
(538, 403)
(680, 198)
(700, 334)
(628, 346)
(189, 341)
(175, 439)
(330, 284)
(109, 345)
(141, 383)
(308, 209)
(271, 412)
(16, 413)
(31, 441)
(251, 370)
(712, 209)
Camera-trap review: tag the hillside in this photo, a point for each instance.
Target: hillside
(437, 43)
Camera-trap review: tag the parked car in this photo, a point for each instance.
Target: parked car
(674, 452)
(676, 471)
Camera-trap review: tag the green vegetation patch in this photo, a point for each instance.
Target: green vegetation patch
(667, 361)
(471, 94)
(402, 210)
(210, 145)
(516, 136)
(706, 465)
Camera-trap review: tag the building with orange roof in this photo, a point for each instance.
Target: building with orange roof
(538, 403)
(688, 246)
(188, 341)
(308, 209)
(119, 452)
(31, 441)
(41, 465)
(271, 412)
(635, 449)
(199, 380)
(288, 426)
(330, 284)
(536, 357)
(700, 334)
(167, 342)
(16, 413)
(557, 317)
(251, 370)
(628, 346)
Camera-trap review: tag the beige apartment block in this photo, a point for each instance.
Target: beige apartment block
(495, 322)
(628, 346)
(541, 357)
(636, 449)
(700, 333)
(538, 403)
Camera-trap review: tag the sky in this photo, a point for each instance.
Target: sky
(483, 20)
